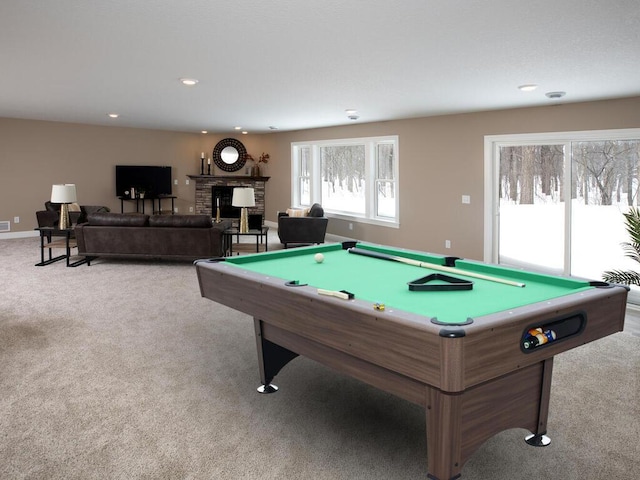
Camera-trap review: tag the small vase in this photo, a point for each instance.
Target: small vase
(255, 171)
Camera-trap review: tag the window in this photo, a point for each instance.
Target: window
(352, 178)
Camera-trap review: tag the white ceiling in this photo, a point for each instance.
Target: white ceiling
(297, 64)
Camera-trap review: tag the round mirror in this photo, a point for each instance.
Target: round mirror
(229, 155)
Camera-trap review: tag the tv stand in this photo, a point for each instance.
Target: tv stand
(140, 203)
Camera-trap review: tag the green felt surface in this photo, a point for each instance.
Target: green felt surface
(381, 281)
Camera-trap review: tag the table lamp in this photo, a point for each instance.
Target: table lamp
(64, 194)
(243, 198)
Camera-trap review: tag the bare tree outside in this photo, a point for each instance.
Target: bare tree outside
(343, 177)
(604, 173)
(385, 181)
(604, 176)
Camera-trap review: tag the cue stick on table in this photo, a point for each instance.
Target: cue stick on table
(432, 266)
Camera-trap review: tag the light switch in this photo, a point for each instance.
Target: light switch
(466, 199)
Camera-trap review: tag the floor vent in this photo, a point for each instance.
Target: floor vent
(5, 226)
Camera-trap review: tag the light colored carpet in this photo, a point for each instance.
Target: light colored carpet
(122, 371)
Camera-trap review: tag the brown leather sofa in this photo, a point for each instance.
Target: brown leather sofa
(179, 237)
(306, 230)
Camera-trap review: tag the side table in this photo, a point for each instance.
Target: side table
(67, 242)
(259, 233)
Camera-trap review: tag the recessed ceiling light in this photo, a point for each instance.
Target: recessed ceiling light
(204, 131)
(530, 87)
(113, 115)
(237, 128)
(555, 94)
(352, 114)
(244, 132)
(188, 81)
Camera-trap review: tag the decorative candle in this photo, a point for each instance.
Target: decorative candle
(208, 161)
(217, 202)
(202, 155)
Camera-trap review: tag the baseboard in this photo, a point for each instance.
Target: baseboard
(24, 234)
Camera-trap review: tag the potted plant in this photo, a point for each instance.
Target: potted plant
(632, 251)
(255, 170)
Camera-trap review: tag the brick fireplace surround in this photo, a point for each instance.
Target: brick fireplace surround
(206, 183)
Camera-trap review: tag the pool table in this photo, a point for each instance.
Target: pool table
(455, 340)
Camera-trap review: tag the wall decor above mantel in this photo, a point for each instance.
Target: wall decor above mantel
(229, 155)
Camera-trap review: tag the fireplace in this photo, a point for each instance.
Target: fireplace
(207, 190)
(221, 196)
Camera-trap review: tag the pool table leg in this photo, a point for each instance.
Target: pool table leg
(271, 359)
(444, 435)
(539, 437)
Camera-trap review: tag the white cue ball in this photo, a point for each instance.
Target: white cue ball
(319, 257)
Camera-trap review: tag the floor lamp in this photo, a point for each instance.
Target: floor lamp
(64, 194)
(243, 198)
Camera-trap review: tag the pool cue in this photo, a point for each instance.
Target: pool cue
(432, 266)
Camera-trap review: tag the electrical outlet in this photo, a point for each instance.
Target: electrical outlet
(350, 226)
(186, 182)
(466, 199)
(190, 209)
(175, 181)
(16, 219)
(175, 210)
(447, 244)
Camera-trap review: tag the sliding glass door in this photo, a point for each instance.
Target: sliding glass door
(555, 202)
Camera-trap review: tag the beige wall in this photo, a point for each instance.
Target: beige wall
(36, 154)
(441, 159)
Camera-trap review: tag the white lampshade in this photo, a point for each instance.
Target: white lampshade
(243, 197)
(63, 193)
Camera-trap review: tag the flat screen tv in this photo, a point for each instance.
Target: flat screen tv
(154, 181)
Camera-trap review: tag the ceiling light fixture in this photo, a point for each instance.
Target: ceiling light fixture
(204, 131)
(237, 128)
(190, 82)
(113, 115)
(244, 132)
(529, 87)
(352, 114)
(555, 94)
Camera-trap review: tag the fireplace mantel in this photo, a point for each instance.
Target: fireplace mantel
(228, 177)
(205, 184)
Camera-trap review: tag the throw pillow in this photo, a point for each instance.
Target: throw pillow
(316, 210)
(296, 212)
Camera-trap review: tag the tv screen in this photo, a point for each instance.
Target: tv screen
(154, 181)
